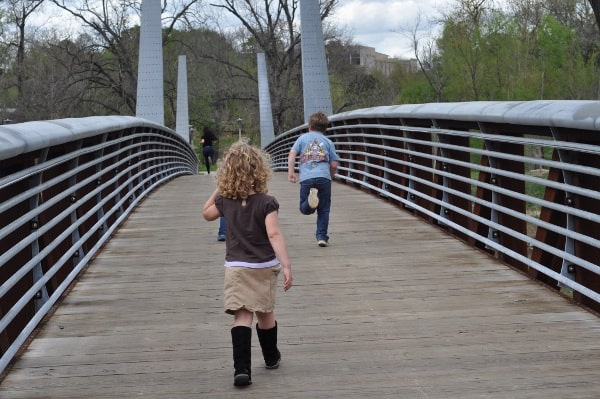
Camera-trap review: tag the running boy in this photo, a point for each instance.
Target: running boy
(318, 164)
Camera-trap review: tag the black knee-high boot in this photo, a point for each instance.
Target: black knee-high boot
(268, 344)
(241, 338)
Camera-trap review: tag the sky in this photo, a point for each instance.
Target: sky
(382, 24)
(386, 24)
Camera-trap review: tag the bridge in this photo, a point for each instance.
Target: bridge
(443, 280)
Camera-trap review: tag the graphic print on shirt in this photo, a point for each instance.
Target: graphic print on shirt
(314, 153)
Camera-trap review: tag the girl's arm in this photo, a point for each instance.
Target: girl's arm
(278, 243)
(210, 211)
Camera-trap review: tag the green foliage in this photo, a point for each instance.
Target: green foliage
(414, 90)
(486, 54)
(482, 53)
(218, 92)
(558, 58)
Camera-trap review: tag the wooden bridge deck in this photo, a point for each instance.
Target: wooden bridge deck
(394, 308)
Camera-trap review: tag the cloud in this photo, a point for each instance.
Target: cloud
(383, 24)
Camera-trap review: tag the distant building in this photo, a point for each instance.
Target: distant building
(370, 59)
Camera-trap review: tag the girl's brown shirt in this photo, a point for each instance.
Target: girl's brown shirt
(247, 239)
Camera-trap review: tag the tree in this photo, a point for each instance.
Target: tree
(427, 56)
(17, 13)
(560, 62)
(560, 48)
(271, 27)
(596, 7)
(5, 69)
(529, 50)
(219, 92)
(109, 62)
(352, 85)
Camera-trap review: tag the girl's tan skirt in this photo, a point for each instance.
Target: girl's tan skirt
(250, 289)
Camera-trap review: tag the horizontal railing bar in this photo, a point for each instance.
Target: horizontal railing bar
(490, 243)
(35, 169)
(27, 217)
(491, 187)
(126, 165)
(66, 233)
(499, 155)
(576, 260)
(42, 167)
(482, 179)
(47, 306)
(557, 229)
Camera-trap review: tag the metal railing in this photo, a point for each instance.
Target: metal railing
(519, 180)
(65, 187)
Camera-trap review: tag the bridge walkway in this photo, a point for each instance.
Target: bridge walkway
(394, 308)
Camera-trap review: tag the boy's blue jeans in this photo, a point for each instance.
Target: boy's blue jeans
(222, 226)
(324, 186)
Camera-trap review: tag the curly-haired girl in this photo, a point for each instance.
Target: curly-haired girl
(256, 252)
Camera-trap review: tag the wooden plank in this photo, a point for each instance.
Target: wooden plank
(393, 308)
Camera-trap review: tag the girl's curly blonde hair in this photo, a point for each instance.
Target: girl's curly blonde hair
(243, 168)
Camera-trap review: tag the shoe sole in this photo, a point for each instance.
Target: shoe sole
(313, 198)
(273, 366)
(322, 243)
(241, 380)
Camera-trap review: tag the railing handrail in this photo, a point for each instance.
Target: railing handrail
(65, 186)
(26, 137)
(424, 157)
(576, 114)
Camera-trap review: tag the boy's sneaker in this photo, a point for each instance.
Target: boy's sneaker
(322, 243)
(221, 237)
(313, 198)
